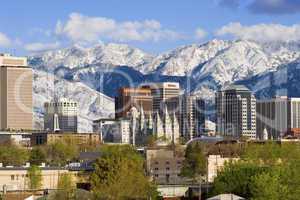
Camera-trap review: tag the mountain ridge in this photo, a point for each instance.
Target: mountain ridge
(200, 68)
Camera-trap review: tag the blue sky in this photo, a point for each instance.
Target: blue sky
(32, 26)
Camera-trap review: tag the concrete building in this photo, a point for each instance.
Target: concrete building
(16, 138)
(192, 116)
(209, 128)
(15, 93)
(75, 138)
(127, 98)
(61, 115)
(113, 130)
(236, 112)
(102, 126)
(215, 163)
(122, 133)
(164, 165)
(165, 93)
(16, 178)
(279, 116)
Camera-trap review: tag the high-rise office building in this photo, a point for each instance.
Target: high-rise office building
(61, 115)
(236, 112)
(16, 93)
(192, 116)
(277, 116)
(165, 94)
(133, 97)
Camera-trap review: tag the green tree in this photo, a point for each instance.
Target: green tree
(66, 182)
(77, 194)
(195, 162)
(35, 177)
(13, 155)
(268, 186)
(37, 156)
(66, 188)
(119, 174)
(236, 178)
(265, 171)
(60, 153)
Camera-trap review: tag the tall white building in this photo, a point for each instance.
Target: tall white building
(294, 119)
(61, 114)
(236, 112)
(123, 132)
(165, 93)
(277, 115)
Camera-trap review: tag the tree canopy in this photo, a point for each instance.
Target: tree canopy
(195, 163)
(60, 153)
(265, 171)
(37, 156)
(119, 174)
(13, 155)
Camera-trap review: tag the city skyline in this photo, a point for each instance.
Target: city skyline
(150, 99)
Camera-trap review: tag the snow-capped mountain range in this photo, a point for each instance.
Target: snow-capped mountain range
(96, 73)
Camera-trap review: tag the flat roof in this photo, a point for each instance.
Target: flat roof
(236, 87)
(7, 60)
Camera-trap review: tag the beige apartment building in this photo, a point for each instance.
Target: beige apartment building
(16, 178)
(164, 165)
(15, 93)
(215, 164)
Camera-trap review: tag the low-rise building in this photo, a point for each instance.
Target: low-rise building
(75, 138)
(215, 163)
(164, 165)
(16, 178)
(114, 130)
(16, 138)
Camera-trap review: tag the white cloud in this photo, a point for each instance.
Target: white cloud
(4, 40)
(261, 32)
(38, 47)
(200, 34)
(80, 28)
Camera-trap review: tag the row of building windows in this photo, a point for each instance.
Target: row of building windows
(16, 177)
(61, 104)
(167, 162)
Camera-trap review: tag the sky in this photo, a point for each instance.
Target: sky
(155, 26)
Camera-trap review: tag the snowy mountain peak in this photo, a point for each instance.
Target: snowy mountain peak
(77, 56)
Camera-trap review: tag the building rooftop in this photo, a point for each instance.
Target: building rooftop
(156, 85)
(226, 197)
(11, 61)
(237, 87)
